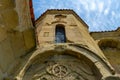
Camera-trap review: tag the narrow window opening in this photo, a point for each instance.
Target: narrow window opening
(60, 36)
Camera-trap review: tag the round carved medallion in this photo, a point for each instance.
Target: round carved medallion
(59, 70)
(63, 67)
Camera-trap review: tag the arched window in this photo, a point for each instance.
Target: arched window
(60, 36)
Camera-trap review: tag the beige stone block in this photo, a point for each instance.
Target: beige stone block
(29, 38)
(1, 74)
(46, 29)
(46, 39)
(10, 18)
(3, 34)
(4, 4)
(18, 43)
(49, 33)
(6, 55)
(41, 34)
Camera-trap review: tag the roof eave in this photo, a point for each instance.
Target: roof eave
(49, 11)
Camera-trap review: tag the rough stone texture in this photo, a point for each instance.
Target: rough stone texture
(112, 78)
(61, 68)
(77, 36)
(78, 58)
(109, 42)
(76, 31)
(74, 28)
(17, 34)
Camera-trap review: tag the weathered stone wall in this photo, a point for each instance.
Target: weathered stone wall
(109, 42)
(76, 30)
(16, 34)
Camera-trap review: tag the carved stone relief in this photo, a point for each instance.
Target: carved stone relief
(61, 67)
(60, 17)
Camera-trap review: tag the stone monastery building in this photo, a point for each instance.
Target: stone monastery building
(57, 46)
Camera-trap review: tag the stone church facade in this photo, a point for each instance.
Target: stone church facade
(57, 46)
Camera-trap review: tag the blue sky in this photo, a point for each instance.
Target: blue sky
(100, 15)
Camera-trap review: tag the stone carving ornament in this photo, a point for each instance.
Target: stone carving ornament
(58, 70)
(69, 69)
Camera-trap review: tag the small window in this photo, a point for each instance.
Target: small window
(46, 34)
(60, 36)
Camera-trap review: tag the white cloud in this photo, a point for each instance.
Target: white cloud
(90, 10)
(100, 6)
(93, 6)
(113, 13)
(106, 11)
(84, 5)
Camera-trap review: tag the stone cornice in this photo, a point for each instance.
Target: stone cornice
(118, 29)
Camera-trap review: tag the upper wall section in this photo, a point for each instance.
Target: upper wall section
(74, 29)
(60, 11)
(72, 23)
